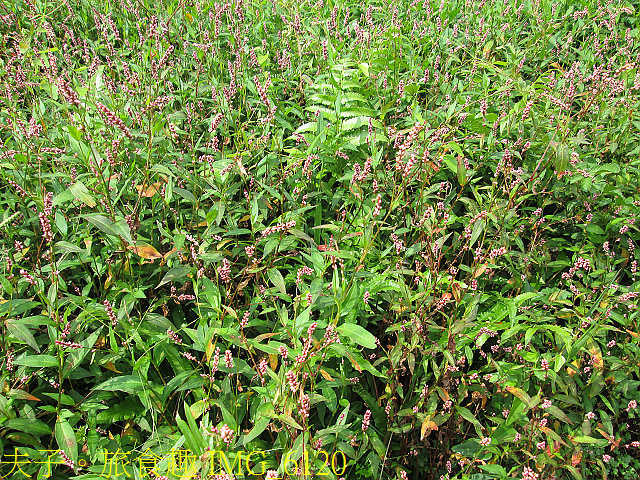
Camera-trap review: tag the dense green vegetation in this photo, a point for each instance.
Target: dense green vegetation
(362, 240)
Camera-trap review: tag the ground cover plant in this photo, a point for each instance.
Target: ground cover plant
(360, 240)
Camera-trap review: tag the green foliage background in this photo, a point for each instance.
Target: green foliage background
(250, 226)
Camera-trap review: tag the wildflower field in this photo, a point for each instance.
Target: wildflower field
(263, 239)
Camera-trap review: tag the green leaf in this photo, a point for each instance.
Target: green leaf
(498, 470)
(590, 440)
(227, 416)
(200, 443)
(574, 471)
(467, 415)
(68, 247)
(66, 438)
(258, 427)
(175, 383)
(76, 356)
(276, 278)
(302, 235)
(186, 194)
(559, 414)
(469, 449)
(121, 228)
(130, 407)
(563, 154)
(28, 425)
(358, 334)
(377, 445)
(123, 383)
(82, 193)
(478, 228)
(462, 171)
(102, 222)
(22, 333)
(38, 361)
(176, 273)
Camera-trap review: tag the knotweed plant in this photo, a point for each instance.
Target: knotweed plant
(319, 239)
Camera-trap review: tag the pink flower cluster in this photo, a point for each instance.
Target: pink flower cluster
(366, 421)
(112, 316)
(245, 319)
(303, 271)
(228, 359)
(19, 190)
(304, 406)
(292, 378)
(174, 336)
(67, 461)
(216, 360)
(397, 243)
(469, 228)
(330, 336)
(358, 174)
(413, 134)
(376, 210)
(216, 122)
(226, 433)
(44, 217)
(10, 358)
(28, 277)
(284, 352)
(67, 93)
(307, 343)
(46, 228)
(64, 344)
(280, 227)
(113, 120)
(224, 271)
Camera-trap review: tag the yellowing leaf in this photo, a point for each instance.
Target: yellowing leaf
(209, 351)
(128, 428)
(146, 251)
(596, 356)
(574, 367)
(111, 366)
(444, 395)
(109, 280)
(576, 458)
(427, 427)
(164, 258)
(553, 435)
(455, 288)
(240, 166)
(480, 270)
(634, 334)
(273, 360)
(150, 191)
(326, 376)
(262, 336)
(21, 395)
(521, 394)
